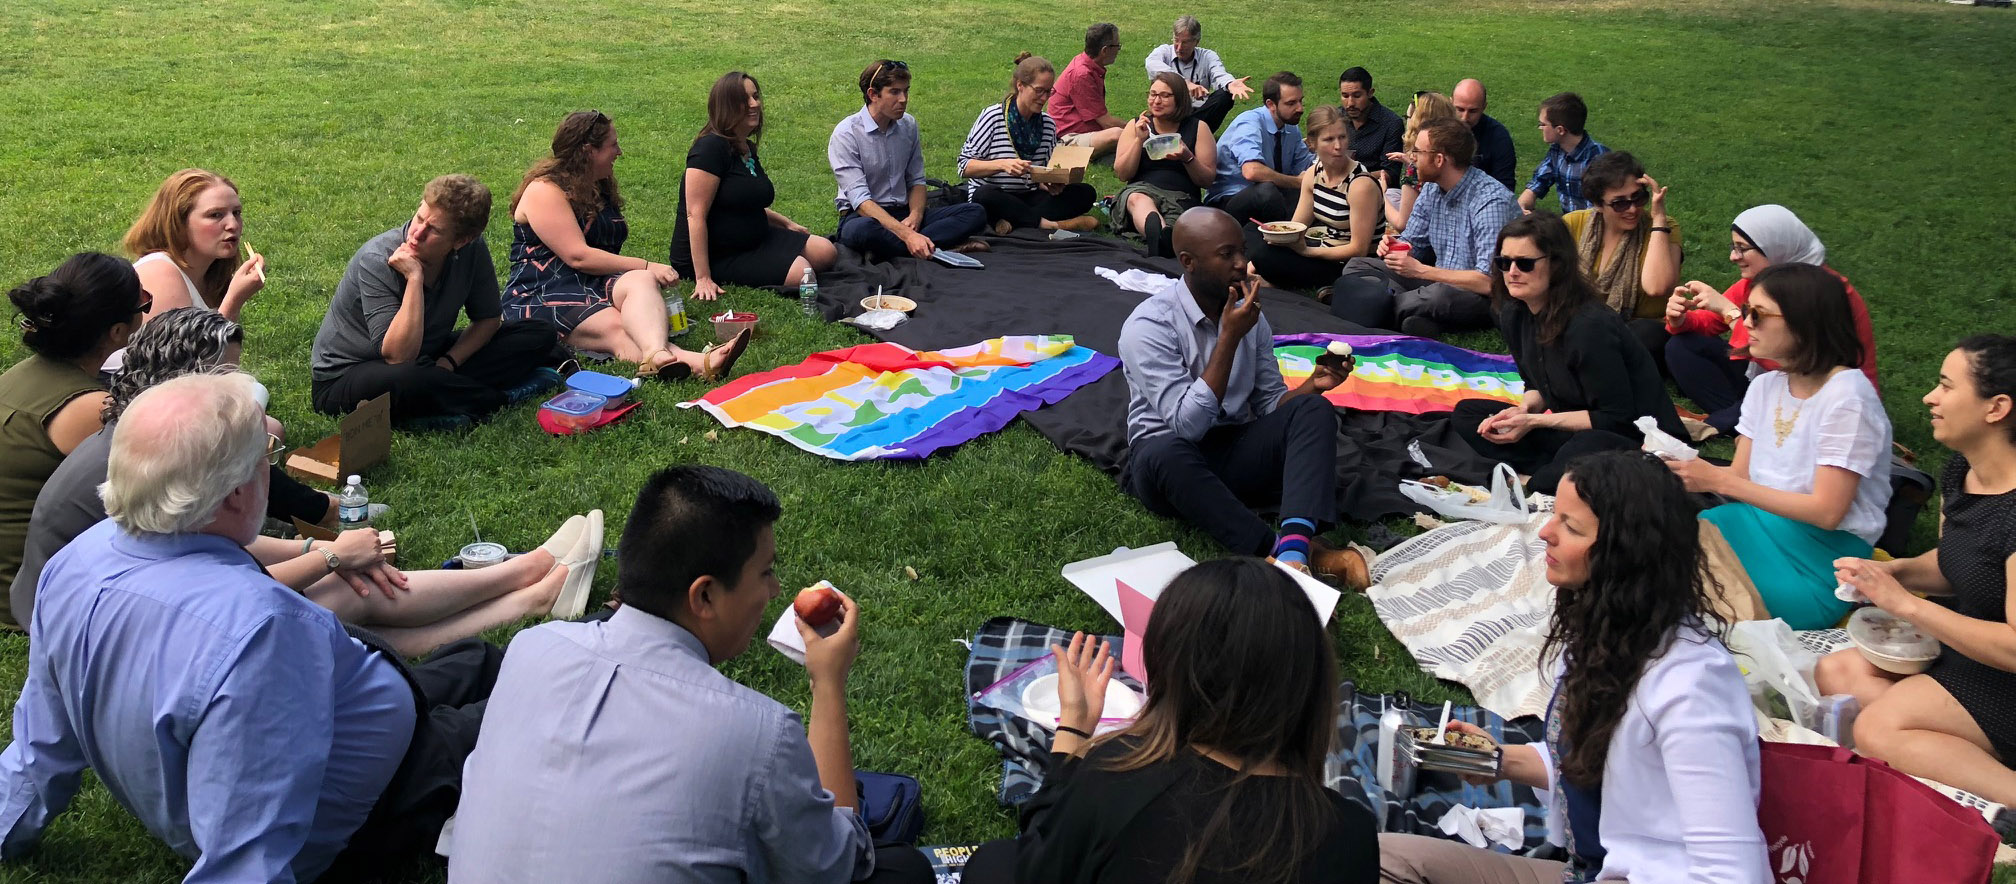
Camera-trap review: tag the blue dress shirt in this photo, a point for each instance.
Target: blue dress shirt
(1164, 346)
(876, 164)
(615, 747)
(1256, 136)
(1461, 224)
(235, 718)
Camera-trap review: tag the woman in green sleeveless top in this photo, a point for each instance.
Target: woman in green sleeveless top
(70, 320)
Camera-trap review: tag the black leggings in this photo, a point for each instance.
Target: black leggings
(287, 498)
(1030, 208)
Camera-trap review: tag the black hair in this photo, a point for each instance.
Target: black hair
(185, 340)
(1565, 109)
(690, 522)
(1099, 36)
(1817, 313)
(68, 313)
(1991, 364)
(1360, 76)
(1568, 290)
(1271, 90)
(1609, 172)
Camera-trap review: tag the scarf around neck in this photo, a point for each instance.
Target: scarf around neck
(1619, 281)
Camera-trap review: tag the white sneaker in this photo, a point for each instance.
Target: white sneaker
(580, 562)
(563, 541)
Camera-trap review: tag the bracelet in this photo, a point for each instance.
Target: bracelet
(457, 363)
(307, 544)
(1067, 729)
(331, 559)
(1661, 230)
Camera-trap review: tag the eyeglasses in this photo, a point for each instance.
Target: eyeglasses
(1417, 154)
(1754, 315)
(1625, 203)
(1166, 96)
(1738, 248)
(274, 449)
(1525, 265)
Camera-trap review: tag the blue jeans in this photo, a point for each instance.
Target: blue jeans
(945, 226)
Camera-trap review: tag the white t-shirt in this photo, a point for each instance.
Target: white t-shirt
(1843, 425)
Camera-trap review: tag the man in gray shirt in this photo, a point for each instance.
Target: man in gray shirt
(391, 325)
(1211, 426)
(614, 751)
(1212, 88)
(878, 161)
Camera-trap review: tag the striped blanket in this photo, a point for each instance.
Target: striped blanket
(1398, 373)
(887, 401)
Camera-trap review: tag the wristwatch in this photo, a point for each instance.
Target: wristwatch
(331, 560)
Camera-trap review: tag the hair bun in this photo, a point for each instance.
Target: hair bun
(1021, 56)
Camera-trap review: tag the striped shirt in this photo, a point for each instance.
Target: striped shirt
(990, 140)
(1332, 205)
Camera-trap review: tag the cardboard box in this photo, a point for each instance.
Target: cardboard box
(362, 440)
(1067, 165)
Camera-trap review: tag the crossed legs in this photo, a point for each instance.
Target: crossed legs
(1917, 727)
(634, 330)
(438, 607)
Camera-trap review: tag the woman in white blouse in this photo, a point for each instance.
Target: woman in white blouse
(1651, 760)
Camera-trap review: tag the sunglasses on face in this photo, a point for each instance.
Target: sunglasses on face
(146, 304)
(1626, 203)
(1754, 315)
(1525, 265)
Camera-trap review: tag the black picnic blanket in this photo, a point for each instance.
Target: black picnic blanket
(1032, 285)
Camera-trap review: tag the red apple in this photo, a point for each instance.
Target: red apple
(817, 605)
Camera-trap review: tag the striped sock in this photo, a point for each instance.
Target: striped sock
(1293, 544)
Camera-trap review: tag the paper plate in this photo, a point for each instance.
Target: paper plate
(1040, 699)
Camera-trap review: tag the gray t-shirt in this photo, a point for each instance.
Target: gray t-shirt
(67, 506)
(371, 292)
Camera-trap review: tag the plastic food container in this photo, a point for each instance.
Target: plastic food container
(1283, 233)
(1159, 147)
(728, 325)
(611, 388)
(574, 409)
(483, 555)
(1891, 644)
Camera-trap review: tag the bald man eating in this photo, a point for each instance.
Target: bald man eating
(1496, 155)
(1212, 427)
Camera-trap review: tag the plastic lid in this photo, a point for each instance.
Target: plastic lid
(356, 480)
(575, 403)
(1878, 631)
(606, 386)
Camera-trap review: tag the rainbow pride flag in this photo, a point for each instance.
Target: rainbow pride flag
(887, 401)
(1399, 373)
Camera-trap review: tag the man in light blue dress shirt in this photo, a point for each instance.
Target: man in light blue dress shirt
(236, 719)
(1261, 157)
(614, 751)
(1212, 427)
(878, 161)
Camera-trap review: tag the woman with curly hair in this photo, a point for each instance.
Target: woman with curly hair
(1220, 778)
(1651, 759)
(567, 232)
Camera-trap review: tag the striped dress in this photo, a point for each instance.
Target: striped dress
(990, 140)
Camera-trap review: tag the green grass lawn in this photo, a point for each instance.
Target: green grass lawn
(1883, 124)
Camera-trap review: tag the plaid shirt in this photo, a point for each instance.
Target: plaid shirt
(1563, 169)
(1461, 224)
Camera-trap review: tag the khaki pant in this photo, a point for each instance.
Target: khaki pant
(1418, 859)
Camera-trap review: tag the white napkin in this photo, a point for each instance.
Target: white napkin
(784, 633)
(1134, 280)
(1504, 826)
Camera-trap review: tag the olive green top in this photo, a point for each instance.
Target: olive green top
(30, 395)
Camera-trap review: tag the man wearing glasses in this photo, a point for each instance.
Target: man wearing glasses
(1079, 102)
(878, 160)
(1212, 89)
(1436, 275)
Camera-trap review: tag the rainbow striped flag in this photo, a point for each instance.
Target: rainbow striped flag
(887, 401)
(1399, 373)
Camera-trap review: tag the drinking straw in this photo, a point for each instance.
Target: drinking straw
(1443, 728)
(472, 526)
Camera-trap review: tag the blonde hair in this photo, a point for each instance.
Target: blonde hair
(1428, 107)
(1321, 117)
(180, 448)
(164, 227)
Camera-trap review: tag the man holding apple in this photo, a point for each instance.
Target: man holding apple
(617, 747)
(1210, 423)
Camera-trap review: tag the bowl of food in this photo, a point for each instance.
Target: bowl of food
(1891, 644)
(897, 303)
(1159, 147)
(1283, 233)
(728, 325)
(1039, 699)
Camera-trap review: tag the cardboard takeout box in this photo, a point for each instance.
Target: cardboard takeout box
(1067, 166)
(362, 440)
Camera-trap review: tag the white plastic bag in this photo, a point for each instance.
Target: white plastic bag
(1778, 670)
(1662, 443)
(1507, 505)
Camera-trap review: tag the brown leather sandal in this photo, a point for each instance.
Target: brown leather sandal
(735, 346)
(670, 371)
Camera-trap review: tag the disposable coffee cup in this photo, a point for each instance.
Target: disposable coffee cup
(482, 555)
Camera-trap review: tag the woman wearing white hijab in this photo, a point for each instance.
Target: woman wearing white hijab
(1716, 373)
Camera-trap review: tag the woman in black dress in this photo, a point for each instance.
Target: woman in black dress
(1956, 722)
(1220, 779)
(727, 232)
(1587, 379)
(1159, 190)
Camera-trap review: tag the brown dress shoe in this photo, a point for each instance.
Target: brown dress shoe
(970, 246)
(1349, 568)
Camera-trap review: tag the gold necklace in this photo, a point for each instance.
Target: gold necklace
(1779, 425)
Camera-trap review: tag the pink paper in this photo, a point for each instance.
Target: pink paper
(1134, 611)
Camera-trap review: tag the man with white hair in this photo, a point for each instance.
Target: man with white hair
(1212, 88)
(238, 720)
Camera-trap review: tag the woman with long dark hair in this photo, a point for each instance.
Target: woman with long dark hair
(1220, 779)
(1587, 378)
(567, 230)
(727, 232)
(1651, 759)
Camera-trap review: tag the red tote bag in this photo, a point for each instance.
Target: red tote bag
(1833, 817)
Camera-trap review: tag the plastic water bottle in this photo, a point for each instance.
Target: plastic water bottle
(353, 506)
(808, 293)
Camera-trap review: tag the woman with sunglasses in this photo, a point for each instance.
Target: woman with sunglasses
(1586, 378)
(1628, 245)
(1714, 373)
(1006, 142)
(71, 321)
(1157, 191)
(1811, 477)
(1338, 193)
